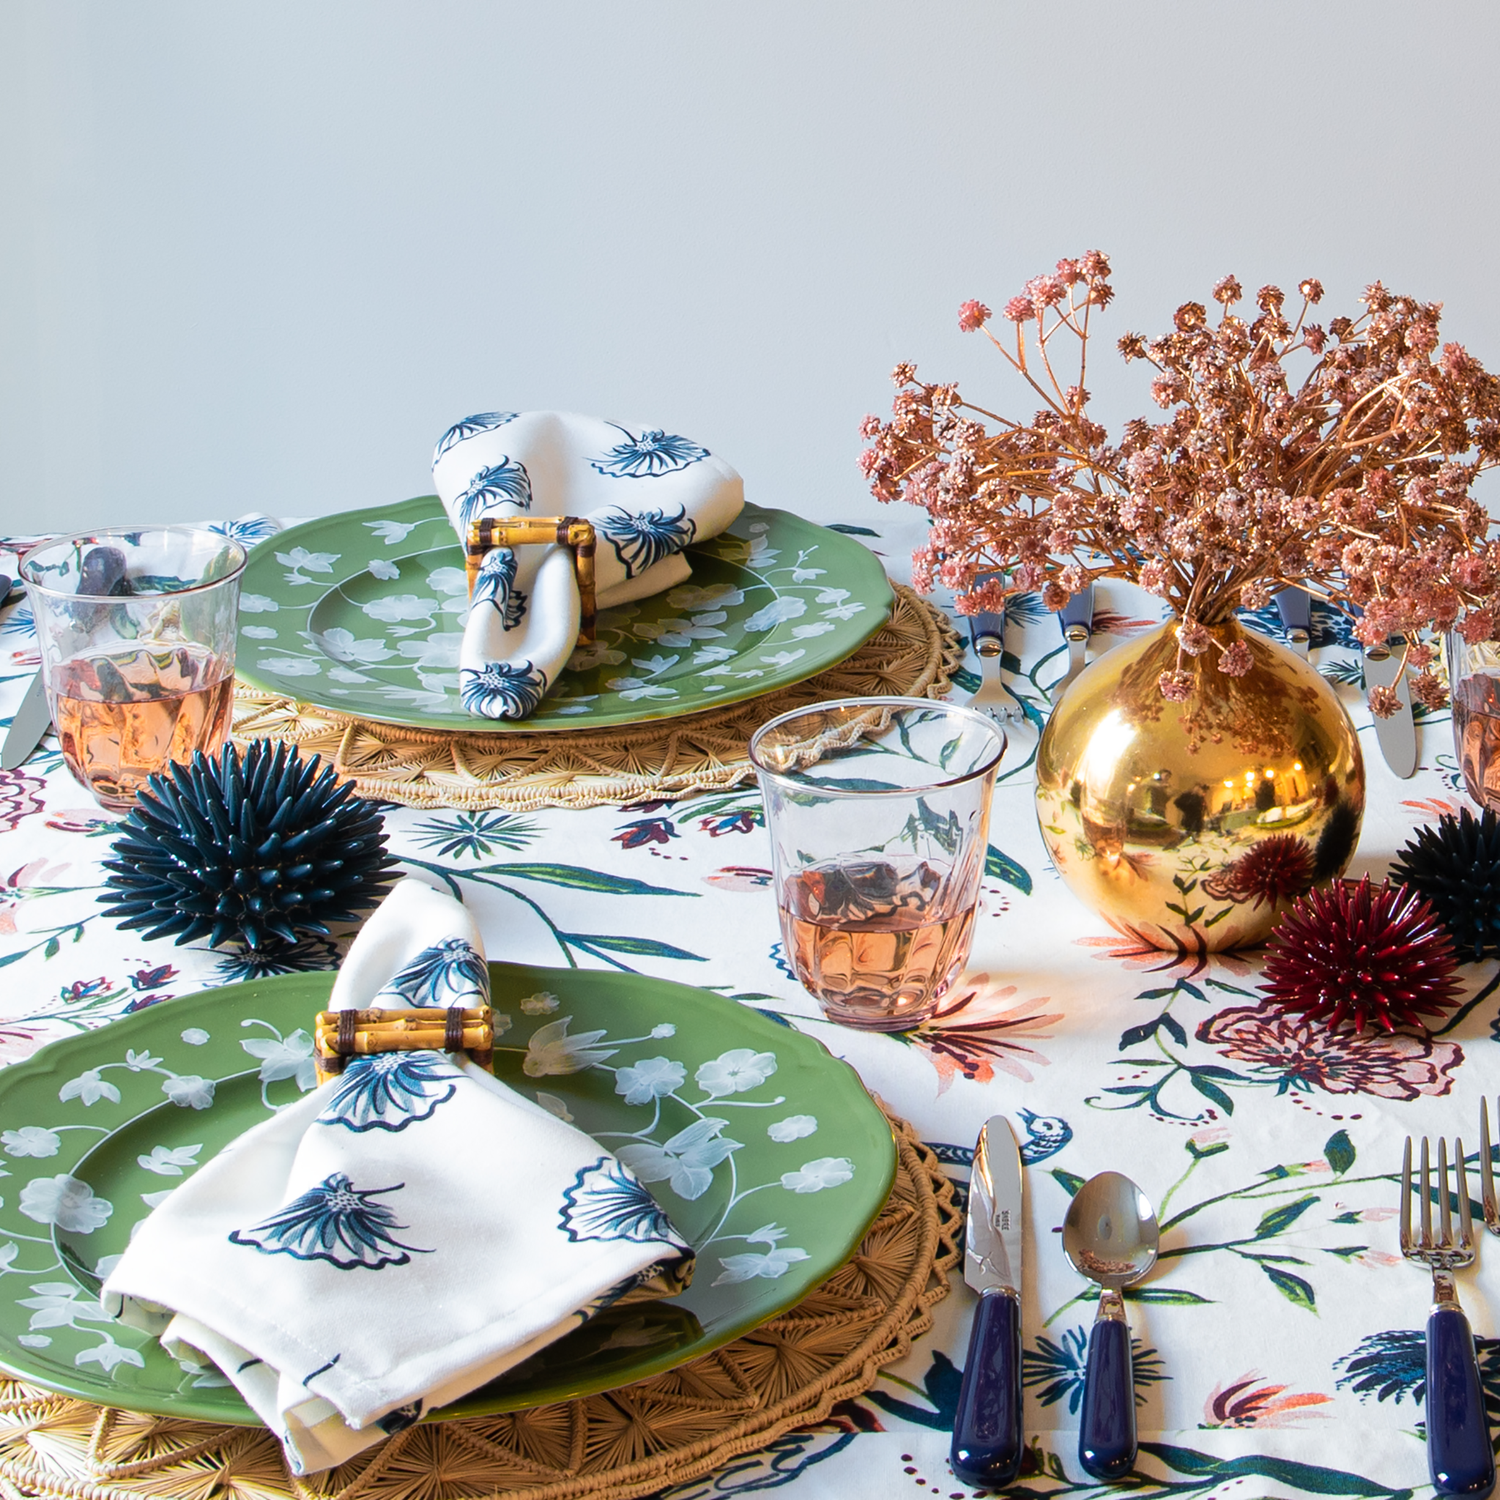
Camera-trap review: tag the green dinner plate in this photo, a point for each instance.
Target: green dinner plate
(98, 1128)
(363, 613)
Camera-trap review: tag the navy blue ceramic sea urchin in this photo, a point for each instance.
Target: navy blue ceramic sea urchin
(1455, 864)
(262, 849)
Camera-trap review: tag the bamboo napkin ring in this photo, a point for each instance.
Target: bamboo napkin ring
(339, 1035)
(489, 532)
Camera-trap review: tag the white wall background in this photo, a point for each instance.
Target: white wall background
(257, 254)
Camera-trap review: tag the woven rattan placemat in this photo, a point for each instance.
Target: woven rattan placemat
(788, 1373)
(912, 655)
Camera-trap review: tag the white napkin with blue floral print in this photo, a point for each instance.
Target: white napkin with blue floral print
(649, 493)
(399, 1236)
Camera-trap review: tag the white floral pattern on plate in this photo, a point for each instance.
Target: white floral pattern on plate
(373, 640)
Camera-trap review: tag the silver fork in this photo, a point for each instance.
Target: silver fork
(1487, 1171)
(987, 633)
(1459, 1456)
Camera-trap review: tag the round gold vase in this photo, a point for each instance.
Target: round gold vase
(1194, 825)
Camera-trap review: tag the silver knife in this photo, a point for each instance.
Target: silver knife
(1076, 618)
(987, 1433)
(1294, 605)
(33, 719)
(1397, 735)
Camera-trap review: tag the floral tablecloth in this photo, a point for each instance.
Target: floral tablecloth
(1279, 1344)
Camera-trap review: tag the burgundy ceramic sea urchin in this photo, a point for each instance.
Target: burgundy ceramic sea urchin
(1362, 955)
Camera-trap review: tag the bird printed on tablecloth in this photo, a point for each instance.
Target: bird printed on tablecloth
(1046, 1135)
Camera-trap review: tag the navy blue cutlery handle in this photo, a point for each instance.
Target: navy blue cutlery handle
(988, 634)
(1459, 1455)
(1106, 1435)
(987, 629)
(1294, 605)
(987, 1445)
(1079, 610)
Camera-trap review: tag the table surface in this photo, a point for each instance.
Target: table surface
(1278, 1343)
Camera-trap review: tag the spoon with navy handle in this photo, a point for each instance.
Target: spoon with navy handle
(1111, 1236)
(1076, 619)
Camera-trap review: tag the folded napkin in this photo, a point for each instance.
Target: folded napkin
(404, 1233)
(648, 494)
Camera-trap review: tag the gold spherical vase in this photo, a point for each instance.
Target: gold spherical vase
(1193, 825)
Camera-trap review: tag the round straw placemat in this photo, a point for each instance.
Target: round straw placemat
(913, 655)
(788, 1373)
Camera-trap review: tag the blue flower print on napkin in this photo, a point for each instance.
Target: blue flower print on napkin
(336, 1222)
(481, 421)
(496, 585)
(648, 454)
(506, 480)
(442, 975)
(644, 539)
(607, 1203)
(502, 690)
(390, 1091)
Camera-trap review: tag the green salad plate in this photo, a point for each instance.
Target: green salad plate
(764, 1149)
(363, 613)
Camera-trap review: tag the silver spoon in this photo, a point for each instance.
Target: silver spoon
(1110, 1235)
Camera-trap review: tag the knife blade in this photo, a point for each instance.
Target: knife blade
(1294, 605)
(987, 1433)
(33, 719)
(1076, 619)
(1397, 735)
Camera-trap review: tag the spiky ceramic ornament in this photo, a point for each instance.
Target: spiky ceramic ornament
(1357, 956)
(1455, 864)
(262, 849)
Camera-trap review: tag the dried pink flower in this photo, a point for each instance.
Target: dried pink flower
(1193, 638)
(972, 315)
(1311, 289)
(1384, 702)
(869, 427)
(1237, 660)
(1478, 625)
(1046, 291)
(1156, 578)
(1428, 690)
(1228, 291)
(1176, 687)
(1019, 309)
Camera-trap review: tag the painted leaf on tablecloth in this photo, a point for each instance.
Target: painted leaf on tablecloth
(1000, 866)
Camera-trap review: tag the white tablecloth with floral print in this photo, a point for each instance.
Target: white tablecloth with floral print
(1279, 1346)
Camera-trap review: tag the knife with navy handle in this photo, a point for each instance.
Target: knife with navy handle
(1294, 605)
(987, 1435)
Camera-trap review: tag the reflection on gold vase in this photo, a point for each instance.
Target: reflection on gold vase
(1194, 825)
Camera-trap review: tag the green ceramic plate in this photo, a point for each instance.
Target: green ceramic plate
(98, 1128)
(363, 613)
